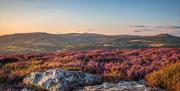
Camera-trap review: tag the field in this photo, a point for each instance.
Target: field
(113, 65)
(44, 42)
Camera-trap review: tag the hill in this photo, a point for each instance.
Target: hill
(112, 65)
(44, 42)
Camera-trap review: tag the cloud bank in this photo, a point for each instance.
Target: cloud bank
(175, 30)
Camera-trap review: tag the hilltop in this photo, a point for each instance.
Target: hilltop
(44, 42)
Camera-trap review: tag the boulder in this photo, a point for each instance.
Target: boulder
(121, 86)
(60, 80)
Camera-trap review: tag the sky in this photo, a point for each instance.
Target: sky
(112, 17)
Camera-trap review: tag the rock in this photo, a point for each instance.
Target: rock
(121, 86)
(60, 80)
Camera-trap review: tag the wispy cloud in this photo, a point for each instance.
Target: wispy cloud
(156, 27)
(89, 30)
(139, 26)
(142, 30)
(166, 27)
(173, 27)
(137, 31)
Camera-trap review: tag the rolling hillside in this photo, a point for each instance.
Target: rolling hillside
(44, 42)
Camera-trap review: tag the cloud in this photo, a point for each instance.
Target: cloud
(139, 26)
(173, 30)
(167, 27)
(156, 27)
(142, 30)
(137, 31)
(173, 27)
(89, 30)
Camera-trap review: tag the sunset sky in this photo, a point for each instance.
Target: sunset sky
(141, 17)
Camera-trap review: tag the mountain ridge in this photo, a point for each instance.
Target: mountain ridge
(45, 42)
(161, 34)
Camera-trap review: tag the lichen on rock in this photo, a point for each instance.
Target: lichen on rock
(61, 80)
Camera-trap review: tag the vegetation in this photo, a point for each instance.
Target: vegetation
(167, 77)
(113, 65)
(44, 42)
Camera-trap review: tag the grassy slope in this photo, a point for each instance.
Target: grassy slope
(43, 42)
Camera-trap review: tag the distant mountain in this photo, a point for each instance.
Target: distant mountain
(44, 42)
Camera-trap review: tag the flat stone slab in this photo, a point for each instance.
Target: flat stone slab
(121, 86)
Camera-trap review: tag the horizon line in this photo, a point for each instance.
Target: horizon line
(89, 33)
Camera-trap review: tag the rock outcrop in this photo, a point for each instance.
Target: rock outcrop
(60, 80)
(121, 86)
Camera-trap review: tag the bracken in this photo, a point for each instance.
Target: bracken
(168, 77)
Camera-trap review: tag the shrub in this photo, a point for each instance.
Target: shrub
(168, 77)
(2, 76)
(113, 65)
